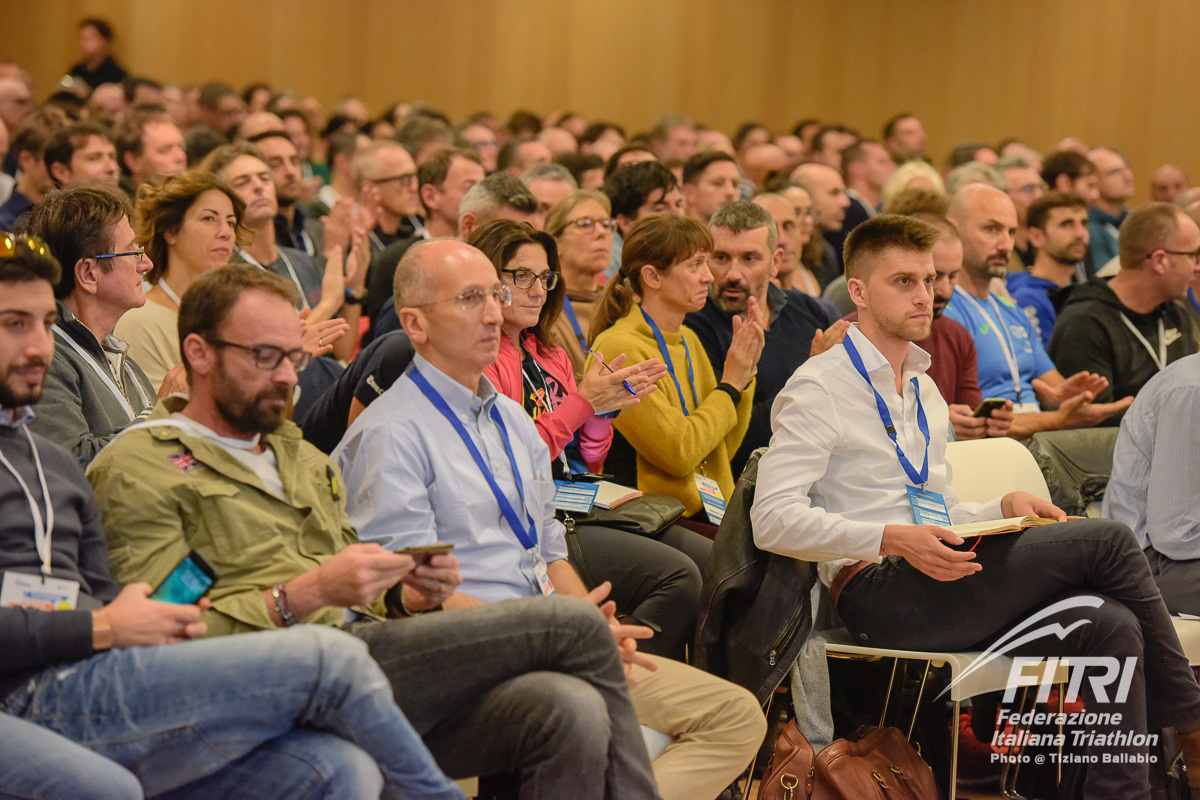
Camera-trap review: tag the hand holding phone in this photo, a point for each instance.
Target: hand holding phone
(422, 553)
(188, 582)
(989, 405)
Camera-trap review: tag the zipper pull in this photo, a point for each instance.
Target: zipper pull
(772, 658)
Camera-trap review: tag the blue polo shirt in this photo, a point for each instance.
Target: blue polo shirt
(995, 376)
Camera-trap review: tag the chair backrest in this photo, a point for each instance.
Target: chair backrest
(984, 469)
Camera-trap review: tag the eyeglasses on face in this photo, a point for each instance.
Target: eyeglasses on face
(268, 357)
(1194, 256)
(140, 252)
(407, 180)
(524, 278)
(588, 223)
(473, 299)
(10, 241)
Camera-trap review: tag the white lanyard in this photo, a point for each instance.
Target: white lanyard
(104, 376)
(286, 262)
(169, 292)
(375, 240)
(43, 527)
(1006, 345)
(1160, 358)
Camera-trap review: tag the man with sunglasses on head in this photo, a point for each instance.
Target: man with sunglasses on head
(93, 389)
(223, 473)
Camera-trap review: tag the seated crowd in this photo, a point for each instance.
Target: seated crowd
(313, 350)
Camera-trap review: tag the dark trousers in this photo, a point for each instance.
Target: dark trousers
(893, 605)
(1179, 581)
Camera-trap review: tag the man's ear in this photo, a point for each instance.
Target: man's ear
(689, 196)
(466, 225)
(776, 262)
(199, 353)
(1037, 239)
(624, 223)
(651, 277)
(61, 173)
(429, 194)
(414, 323)
(858, 292)
(87, 275)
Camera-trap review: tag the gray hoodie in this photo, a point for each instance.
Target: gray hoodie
(85, 401)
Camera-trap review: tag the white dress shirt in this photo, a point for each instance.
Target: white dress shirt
(831, 479)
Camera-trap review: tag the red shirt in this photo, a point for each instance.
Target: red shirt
(953, 364)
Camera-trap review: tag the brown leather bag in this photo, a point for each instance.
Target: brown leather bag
(874, 763)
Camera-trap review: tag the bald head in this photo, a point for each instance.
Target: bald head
(16, 101)
(825, 186)
(762, 159)
(1167, 182)
(986, 220)
(420, 271)
(259, 122)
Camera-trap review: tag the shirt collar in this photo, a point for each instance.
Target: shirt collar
(915, 359)
(460, 399)
(23, 415)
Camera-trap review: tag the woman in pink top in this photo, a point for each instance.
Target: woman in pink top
(655, 581)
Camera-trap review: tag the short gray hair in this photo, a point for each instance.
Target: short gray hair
(743, 215)
(494, 192)
(1013, 162)
(549, 172)
(975, 172)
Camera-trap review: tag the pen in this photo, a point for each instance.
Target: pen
(624, 383)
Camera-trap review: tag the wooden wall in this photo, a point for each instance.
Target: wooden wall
(1121, 72)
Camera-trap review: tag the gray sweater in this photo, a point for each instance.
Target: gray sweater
(32, 640)
(78, 410)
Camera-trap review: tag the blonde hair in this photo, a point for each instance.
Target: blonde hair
(905, 174)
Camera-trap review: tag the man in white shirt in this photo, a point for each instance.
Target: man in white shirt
(835, 488)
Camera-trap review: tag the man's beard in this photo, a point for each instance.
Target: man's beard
(939, 305)
(10, 398)
(738, 306)
(249, 415)
(902, 330)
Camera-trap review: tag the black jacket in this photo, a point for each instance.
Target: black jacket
(755, 610)
(1090, 335)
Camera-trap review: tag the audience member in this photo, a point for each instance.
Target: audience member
(557, 141)
(406, 443)
(586, 169)
(342, 152)
(1153, 486)
(745, 256)
(794, 231)
(149, 146)
(974, 172)
(386, 177)
(1129, 329)
(966, 152)
(1071, 172)
(637, 191)
(483, 140)
(674, 136)
(832, 489)
(1058, 236)
(293, 228)
(602, 139)
(710, 180)
(904, 137)
(1114, 187)
(325, 722)
(1012, 362)
(520, 154)
(1167, 182)
(829, 144)
(828, 192)
(33, 179)
(93, 390)
(550, 183)
(81, 153)
(1024, 186)
(911, 175)
(268, 512)
(680, 438)
(762, 162)
(98, 66)
(219, 108)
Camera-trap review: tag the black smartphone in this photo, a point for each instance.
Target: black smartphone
(422, 553)
(188, 582)
(989, 405)
(588, 477)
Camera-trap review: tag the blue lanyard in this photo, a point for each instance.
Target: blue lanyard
(1192, 297)
(918, 478)
(526, 534)
(569, 310)
(666, 356)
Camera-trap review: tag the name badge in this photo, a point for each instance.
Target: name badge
(575, 496)
(711, 497)
(542, 574)
(34, 591)
(928, 508)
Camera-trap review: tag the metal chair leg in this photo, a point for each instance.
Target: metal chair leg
(920, 693)
(888, 697)
(953, 747)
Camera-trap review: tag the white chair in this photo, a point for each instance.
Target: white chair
(984, 469)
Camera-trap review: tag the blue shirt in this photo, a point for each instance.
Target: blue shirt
(1032, 294)
(995, 376)
(1154, 482)
(1102, 232)
(411, 481)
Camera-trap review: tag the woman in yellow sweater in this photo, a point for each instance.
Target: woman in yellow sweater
(684, 434)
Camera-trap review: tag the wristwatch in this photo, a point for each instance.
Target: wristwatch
(102, 632)
(353, 299)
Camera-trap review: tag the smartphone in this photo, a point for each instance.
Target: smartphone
(188, 582)
(989, 405)
(422, 553)
(588, 477)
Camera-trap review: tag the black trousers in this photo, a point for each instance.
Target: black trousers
(1179, 581)
(894, 605)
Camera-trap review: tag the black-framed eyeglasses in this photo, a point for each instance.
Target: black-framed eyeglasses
(1194, 256)
(140, 252)
(588, 223)
(524, 278)
(407, 180)
(10, 241)
(269, 357)
(473, 299)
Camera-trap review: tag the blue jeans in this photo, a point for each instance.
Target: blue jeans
(297, 713)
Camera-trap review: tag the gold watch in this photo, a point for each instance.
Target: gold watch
(102, 632)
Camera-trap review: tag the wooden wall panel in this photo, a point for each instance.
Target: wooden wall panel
(1113, 71)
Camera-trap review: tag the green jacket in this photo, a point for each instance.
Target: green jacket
(164, 492)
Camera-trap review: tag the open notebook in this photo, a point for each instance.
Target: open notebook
(611, 495)
(1009, 525)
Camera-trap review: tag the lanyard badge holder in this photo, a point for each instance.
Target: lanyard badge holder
(526, 532)
(928, 507)
(710, 491)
